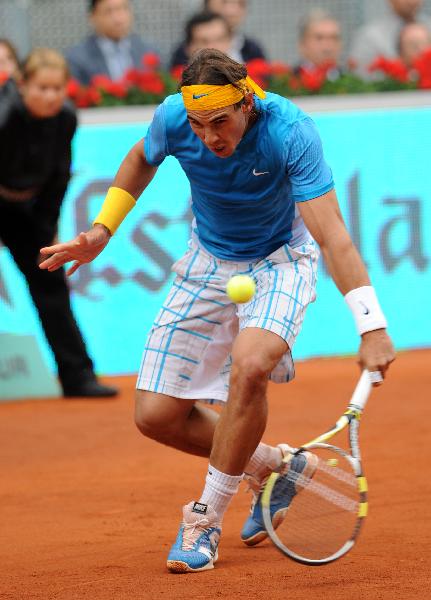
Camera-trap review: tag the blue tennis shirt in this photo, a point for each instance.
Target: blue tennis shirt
(245, 205)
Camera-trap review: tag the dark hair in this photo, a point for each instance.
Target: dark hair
(92, 5)
(212, 67)
(200, 19)
(206, 3)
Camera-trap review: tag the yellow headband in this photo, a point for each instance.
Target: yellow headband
(210, 97)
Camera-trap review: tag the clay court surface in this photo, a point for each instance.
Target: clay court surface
(89, 507)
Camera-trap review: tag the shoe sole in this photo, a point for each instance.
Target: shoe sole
(279, 516)
(277, 520)
(179, 566)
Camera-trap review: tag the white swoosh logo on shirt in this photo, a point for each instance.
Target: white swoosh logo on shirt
(256, 173)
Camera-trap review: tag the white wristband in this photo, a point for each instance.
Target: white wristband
(366, 309)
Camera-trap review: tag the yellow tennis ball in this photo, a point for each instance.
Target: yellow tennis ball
(332, 462)
(240, 288)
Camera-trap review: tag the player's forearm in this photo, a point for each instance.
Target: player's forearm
(132, 178)
(134, 173)
(350, 275)
(344, 263)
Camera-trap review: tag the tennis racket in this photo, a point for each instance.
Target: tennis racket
(314, 505)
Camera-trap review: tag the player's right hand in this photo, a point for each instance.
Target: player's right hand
(376, 352)
(83, 249)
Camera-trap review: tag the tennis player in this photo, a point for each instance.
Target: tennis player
(262, 196)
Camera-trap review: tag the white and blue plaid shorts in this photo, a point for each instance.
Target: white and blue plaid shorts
(187, 352)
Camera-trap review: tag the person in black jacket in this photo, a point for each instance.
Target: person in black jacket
(202, 30)
(241, 48)
(36, 131)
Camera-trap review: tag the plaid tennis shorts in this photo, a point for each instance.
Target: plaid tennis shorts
(187, 352)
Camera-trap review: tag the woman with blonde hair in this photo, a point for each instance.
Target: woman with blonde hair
(36, 131)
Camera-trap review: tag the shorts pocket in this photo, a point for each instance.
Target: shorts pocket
(308, 250)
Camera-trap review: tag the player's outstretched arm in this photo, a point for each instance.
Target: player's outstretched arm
(323, 219)
(132, 178)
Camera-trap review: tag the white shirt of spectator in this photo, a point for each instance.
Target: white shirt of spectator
(118, 56)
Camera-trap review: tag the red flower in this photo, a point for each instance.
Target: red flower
(73, 88)
(151, 83)
(83, 97)
(258, 67)
(102, 82)
(132, 76)
(94, 97)
(106, 85)
(279, 68)
(88, 97)
(422, 66)
(177, 72)
(393, 68)
(259, 70)
(378, 64)
(151, 60)
(3, 77)
(425, 83)
(117, 89)
(312, 79)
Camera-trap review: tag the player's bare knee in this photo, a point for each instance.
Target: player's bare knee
(157, 416)
(250, 369)
(148, 418)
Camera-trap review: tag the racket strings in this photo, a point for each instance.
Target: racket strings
(328, 493)
(323, 509)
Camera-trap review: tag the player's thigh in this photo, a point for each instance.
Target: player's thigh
(258, 350)
(160, 411)
(286, 283)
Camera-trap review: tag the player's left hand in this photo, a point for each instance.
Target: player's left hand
(376, 352)
(83, 249)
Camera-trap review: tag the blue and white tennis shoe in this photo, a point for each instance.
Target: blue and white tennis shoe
(304, 464)
(195, 548)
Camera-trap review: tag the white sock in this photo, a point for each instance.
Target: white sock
(219, 490)
(264, 460)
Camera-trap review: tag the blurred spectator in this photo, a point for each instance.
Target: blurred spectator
(414, 39)
(36, 131)
(243, 49)
(9, 62)
(381, 37)
(203, 30)
(320, 43)
(112, 49)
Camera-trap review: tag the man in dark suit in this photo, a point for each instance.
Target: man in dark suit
(112, 49)
(243, 49)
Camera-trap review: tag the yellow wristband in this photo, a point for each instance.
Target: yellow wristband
(116, 206)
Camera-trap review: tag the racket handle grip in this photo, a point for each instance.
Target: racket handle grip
(362, 391)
